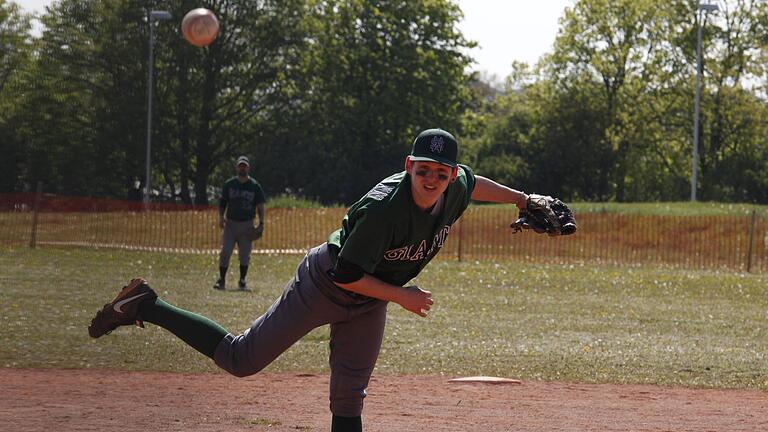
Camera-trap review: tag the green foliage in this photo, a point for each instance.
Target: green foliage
(607, 53)
(609, 114)
(381, 72)
(15, 53)
(734, 127)
(85, 107)
(14, 39)
(234, 97)
(326, 97)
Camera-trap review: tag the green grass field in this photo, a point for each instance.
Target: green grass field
(542, 322)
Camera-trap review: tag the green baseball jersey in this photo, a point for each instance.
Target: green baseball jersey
(389, 237)
(240, 199)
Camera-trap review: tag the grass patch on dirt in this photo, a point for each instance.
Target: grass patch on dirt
(593, 324)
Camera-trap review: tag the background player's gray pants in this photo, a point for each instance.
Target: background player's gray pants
(236, 232)
(310, 300)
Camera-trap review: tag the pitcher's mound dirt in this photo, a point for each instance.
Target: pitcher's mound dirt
(53, 400)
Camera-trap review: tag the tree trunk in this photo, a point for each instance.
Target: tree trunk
(709, 155)
(204, 145)
(185, 129)
(621, 171)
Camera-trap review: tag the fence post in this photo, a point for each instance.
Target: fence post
(460, 223)
(36, 209)
(751, 237)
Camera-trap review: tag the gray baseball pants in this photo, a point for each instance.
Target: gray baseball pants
(236, 232)
(309, 300)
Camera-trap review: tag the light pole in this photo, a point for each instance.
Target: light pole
(705, 8)
(153, 16)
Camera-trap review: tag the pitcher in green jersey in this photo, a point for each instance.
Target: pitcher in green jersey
(384, 241)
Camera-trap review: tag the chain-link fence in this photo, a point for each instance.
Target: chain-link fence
(698, 242)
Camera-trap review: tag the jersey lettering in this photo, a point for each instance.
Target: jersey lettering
(380, 192)
(396, 254)
(439, 240)
(407, 253)
(244, 194)
(419, 254)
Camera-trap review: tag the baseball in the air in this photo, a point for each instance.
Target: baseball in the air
(200, 27)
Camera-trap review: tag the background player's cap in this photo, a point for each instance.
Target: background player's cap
(242, 160)
(435, 145)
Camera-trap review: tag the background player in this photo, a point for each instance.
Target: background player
(241, 198)
(385, 240)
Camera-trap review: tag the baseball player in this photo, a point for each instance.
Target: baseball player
(241, 198)
(385, 240)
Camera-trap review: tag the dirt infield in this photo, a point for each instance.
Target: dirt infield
(89, 400)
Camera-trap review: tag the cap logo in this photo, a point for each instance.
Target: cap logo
(436, 145)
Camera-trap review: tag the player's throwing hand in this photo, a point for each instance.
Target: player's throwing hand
(416, 300)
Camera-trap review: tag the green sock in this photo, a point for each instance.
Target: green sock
(346, 424)
(196, 330)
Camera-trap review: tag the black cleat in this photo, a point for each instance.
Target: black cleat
(219, 285)
(123, 310)
(241, 285)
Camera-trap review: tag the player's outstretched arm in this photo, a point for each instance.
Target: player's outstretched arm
(411, 298)
(491, 191)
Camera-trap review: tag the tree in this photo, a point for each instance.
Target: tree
(620, 46)
(382, 71)
(221, 99)
(608, 115)
(86, 106)
(15, 43)
(325, 96)
(734, 128)
(90, 93)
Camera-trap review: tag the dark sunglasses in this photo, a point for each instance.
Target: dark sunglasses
(440, 176)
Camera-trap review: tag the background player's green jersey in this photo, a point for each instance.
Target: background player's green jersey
(389, 237)
(240, 199)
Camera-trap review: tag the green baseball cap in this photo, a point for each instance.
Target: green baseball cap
(242, 160)
(435, 145)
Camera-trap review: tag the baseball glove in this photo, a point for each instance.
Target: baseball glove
(256, 232)
(545, 214)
